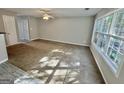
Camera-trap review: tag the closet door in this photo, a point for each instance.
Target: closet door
(23, 29)
(10, 29)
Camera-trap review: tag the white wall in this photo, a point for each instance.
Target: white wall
(3, 52)
(107, 73)
(1, 24)
(76, 30)
(10, 27)
(3, 12)
(33, 27)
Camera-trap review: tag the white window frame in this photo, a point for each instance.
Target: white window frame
(105, 57)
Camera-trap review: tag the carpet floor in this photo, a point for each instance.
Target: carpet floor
(56, 63)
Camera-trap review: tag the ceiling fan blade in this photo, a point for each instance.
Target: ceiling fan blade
(46, 9)
(51, 17)
(46, 13)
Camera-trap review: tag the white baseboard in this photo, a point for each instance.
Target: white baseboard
(13, 44)
(3, 60)
(65, 42)
(22, 42)
(98, 66)
(34, 39)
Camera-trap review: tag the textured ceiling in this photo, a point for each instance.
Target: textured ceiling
(56, 12)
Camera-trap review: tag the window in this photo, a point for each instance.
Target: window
(119, 24)
(107, 23)
(109, 38)
(98, 25)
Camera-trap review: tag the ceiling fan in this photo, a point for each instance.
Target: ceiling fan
(46, 14)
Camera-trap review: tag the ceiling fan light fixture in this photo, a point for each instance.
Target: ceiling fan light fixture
(46, 18)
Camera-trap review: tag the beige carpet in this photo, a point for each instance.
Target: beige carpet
(54, 62)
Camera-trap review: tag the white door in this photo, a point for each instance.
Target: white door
(10, 29)
(23, 29)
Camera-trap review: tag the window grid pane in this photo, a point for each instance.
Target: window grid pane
(108, 42)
